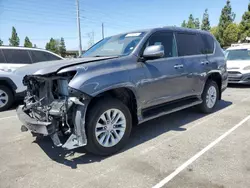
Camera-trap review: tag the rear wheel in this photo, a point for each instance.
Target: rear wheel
(6, 98)
(108, 126)
(210, 97)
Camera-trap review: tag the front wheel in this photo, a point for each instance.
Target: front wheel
(108, 126)
(6, 98)
(210, 97)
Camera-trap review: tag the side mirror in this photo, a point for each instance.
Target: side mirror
(154, 52)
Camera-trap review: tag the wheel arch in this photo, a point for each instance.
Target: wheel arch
(217, 78)
(8, 83)
(124, 94)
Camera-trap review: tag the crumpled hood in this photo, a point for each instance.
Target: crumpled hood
(237, 64)
(48, 67)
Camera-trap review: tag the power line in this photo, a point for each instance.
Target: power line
(40, 12)
(51, 4)
(35, 22)
(111, 23)
(124, 14)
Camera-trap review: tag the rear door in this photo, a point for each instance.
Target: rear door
(190, 47)
(16, 58)
(2, 59)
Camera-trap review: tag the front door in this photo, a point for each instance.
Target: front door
(165, 78)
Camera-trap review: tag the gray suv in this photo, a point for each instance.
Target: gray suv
(121, 81)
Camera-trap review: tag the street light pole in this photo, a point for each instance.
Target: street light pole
(79, 27)
(102, 31)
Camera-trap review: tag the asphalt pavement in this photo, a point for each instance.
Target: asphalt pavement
(183, 149)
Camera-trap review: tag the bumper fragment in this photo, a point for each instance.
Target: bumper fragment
(32, 124)
(76, 139)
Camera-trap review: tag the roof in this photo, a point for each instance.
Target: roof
(240, 46)
(21, 48)
(25, 48)
(169, 28)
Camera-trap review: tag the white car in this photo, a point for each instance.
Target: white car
(238, 64)
(12, 58)
(11, 89)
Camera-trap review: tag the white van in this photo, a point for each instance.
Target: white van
(12, 58)
(238, 63)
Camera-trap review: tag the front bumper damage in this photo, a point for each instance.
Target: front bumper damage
(77, 139)
(47, 115)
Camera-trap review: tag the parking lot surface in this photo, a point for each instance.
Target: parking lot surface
(184, 149)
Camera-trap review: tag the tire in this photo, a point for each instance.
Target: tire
(110, 133)
(6, 98)
(207, 106)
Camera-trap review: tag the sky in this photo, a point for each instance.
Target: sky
(42, 19)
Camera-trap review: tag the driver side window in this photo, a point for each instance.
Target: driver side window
(167, 40)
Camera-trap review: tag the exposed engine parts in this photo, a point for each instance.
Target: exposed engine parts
(48, 100)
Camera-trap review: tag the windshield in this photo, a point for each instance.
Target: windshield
(120, 45)
(241, 54)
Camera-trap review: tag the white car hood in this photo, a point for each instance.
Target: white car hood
(237, 64)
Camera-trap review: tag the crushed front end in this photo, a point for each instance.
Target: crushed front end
(52, 108)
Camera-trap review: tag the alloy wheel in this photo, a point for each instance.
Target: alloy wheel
(110, 128)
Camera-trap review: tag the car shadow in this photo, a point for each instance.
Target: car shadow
(238, 86)
(140, 134)
(16, 104)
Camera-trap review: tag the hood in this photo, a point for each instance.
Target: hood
(49, 67)
(237, 64)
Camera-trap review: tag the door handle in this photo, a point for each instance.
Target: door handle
(180, 66)
(204, 63)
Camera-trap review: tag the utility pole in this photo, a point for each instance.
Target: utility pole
(102, 31)
(79, 27)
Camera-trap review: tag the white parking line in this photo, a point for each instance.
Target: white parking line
(196, 156)
(8, 117)
(205, 119)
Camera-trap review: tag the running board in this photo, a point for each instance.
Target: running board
(169, 108)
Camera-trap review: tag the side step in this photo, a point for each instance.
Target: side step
(162, 110)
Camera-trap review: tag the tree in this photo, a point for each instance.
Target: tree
(245, 25)
(184, 24)
(34, 46)
(214, 31)
(197, 23)
(1, 42)
(52, 46)
(27, 42)
(14, 40)
(62, 48)
(205, 25)
(191, 23)
(231, 34)
(227, 17)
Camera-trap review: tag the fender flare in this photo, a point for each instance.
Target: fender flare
(9, 83)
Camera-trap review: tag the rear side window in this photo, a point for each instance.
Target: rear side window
(208, 44)
(187, 44)
(16, 56)
(39, 56)
(51, 57)
(2, 60)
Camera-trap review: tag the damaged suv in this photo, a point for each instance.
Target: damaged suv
(121, 81)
